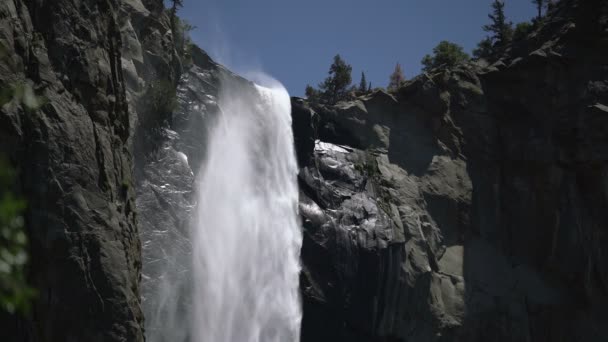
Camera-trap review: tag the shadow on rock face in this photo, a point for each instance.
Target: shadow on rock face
(486, 188)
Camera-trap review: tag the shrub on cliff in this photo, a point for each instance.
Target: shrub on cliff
(312, 94)
(183, 42)
(444, 54)
(336, 87)
(484, 49)
(522, 30)
(157, 104)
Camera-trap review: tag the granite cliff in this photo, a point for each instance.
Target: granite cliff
(470, 205)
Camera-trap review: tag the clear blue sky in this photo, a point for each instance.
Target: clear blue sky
(294, 41)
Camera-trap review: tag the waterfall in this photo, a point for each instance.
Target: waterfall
(246, 236)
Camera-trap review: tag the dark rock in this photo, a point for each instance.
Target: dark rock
(70, 141)
(468, 206)
(486, 189)
(304, 123)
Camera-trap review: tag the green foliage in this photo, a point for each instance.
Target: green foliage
(21, 94)
(312, 94)
(522, 30)
(484, 49)
(336, 86)
(15, 294)
(363, 83)
(175, 23)
(158, 103)
(445, 54)
(183, 42)
(500, 29)
(396, 79)
(501, 33)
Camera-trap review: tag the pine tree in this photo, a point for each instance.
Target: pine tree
(176, 4)
(484, 49)
(369, 87)
(363, 83)
(522, 30)
(396, 79)
(444, 54)
(336, 85)
(501, 30)
(311, 93)
(540, 4)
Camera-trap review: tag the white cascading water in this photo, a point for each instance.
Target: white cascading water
(246, 237)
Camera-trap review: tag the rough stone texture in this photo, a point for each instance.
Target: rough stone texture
(469, 206)
(75, 168)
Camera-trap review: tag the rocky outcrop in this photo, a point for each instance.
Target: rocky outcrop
(468, 206)
(67, 128)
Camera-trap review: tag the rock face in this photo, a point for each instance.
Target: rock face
(68, 132)
(468, 206)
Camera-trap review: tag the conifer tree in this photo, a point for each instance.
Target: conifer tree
(500, 29)
(336, 85)
(363, 83)
(311, 93)
(540, 4)
(396, 79)
(484, 49)
(176, 4)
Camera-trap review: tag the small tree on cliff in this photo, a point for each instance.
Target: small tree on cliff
(396, 79)
(540, 4)
(522, 30)
(363, 83)
(175, 5)
(484, 49)
(311, 93)
(444, 54)
(336, 85)
(500, 29)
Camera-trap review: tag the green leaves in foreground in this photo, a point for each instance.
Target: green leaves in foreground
(22, 93)
(15, 294)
